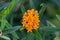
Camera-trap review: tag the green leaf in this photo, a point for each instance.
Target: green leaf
(5, 37)
(0, 17)
(50, 24)
(10, 27)
(58, 17)
(22, 28)
(22, 7)
(56, 38)
(11, 30)
(50, 29)
(11, 20)
(29, 36)
(6, 12)
(41, 12)
(55, 21)
(3, 23)
(37, 34)
(13, 33)
(31, 3)
(14, 38)
(4, 5)
(8, 9)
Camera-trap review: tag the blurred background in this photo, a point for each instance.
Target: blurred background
(50, 21)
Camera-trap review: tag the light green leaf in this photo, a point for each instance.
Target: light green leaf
(6, 12)
(3, 23)
(56, 38)
(22, 28)
(8, 9)
(5, 37)
(50, 24)
(58, 17)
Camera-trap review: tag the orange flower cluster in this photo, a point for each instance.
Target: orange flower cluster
(31, 20)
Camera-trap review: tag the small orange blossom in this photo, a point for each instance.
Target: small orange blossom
(31, 20)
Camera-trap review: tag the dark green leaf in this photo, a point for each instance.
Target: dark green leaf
(9, 27)
(41, 12)
(11, 30)
(29, 36)
(22, 7)
(4, 5)
(31, 3)
(37, 34)
(50, 29)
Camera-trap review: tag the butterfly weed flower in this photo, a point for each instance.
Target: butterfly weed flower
(30, 20)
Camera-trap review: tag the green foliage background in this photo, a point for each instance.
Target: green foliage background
(11, 12)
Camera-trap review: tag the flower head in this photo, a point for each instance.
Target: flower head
(31, 20)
